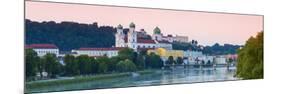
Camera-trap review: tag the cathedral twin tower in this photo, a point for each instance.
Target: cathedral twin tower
(129, 40)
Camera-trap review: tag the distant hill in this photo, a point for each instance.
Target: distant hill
(73, 35)
(69, 35)
(218, 49)
(215, 49)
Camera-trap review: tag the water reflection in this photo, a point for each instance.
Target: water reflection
(181, 75)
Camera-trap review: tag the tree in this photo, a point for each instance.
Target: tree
(170, 60)
(41, 66)
(52, 66)
(94, 65)
(140, 61)
(229, 61)
(103, 64)
(71, 66)
(84, 63)
(126, 66)
(31, 62)
(153, 61)
(179, 60)
(112, 64)
(103, 68)
(208, 62)
(250, 58)
(135, 57)
(126, 53)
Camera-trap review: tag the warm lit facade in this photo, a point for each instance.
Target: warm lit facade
(164, 53)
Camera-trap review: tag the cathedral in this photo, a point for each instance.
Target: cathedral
(133, 39)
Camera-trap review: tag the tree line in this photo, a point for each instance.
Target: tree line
(69, 35)
(250, 58)
(218, 49)
(72, 35)
(126, 61)
(215, 49)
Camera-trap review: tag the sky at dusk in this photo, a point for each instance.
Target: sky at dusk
(207, 28)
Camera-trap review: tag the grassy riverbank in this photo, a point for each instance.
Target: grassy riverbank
(79, 79)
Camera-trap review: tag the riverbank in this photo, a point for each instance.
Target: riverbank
(80, 79)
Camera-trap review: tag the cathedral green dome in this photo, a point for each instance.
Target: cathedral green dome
(119, 26)
(132, 25)
(157, 30)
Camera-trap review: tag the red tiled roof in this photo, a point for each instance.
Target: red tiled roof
(145, 41)
(102, 49)
(163, 41)
(42, 46)
(169, 35)
(139, 40)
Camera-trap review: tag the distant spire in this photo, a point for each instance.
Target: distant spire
(157, 30)
(132, 25)
(120, 26)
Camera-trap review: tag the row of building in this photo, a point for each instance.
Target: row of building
(189, 57)
(158, 43)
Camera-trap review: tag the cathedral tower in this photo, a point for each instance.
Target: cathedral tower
(157, 35)
(132, 37)
(119, 37)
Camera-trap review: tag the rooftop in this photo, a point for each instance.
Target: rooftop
(163, 41)
(102, 49)
(145, 41)
(42, 46)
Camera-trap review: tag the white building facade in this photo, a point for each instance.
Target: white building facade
(97, 52)
(131, 40)
(220, 60)
(183, 39)
(43, 49)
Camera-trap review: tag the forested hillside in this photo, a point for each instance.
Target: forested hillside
(218, 49)
(73, 35)
(69, 35)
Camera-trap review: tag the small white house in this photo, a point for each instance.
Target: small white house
(220, 60)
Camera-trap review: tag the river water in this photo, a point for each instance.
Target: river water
(159, 77)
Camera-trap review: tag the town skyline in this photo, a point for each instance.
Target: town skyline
(206, 28)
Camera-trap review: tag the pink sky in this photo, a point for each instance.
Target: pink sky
(207, 28)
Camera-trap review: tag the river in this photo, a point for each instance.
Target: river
(175, 76)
